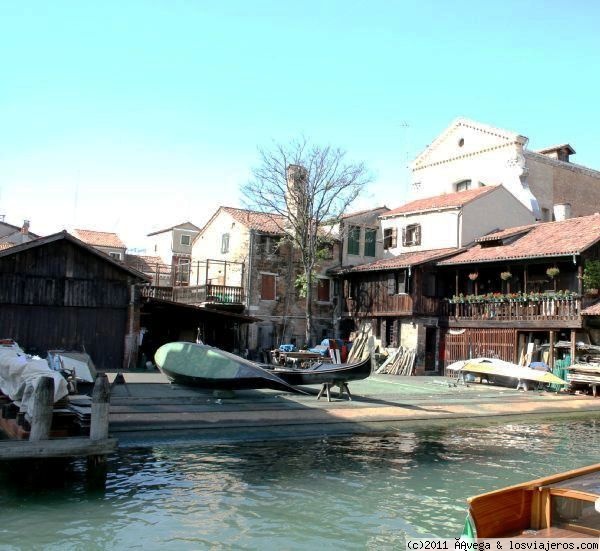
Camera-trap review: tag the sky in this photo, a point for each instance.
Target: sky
(132, 116)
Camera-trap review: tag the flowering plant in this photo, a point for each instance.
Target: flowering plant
(505, 276)
(552, 272)
(473, 276)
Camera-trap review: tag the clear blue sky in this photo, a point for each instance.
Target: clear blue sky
(131, 115)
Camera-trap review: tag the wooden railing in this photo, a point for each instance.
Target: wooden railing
(529, 310)
(399, 305)
(196, 294)
(209, 293)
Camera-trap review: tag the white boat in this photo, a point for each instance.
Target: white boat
(492, 367)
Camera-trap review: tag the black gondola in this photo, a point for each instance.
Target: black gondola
(321, 373)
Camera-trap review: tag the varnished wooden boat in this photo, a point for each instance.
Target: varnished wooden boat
(558, 506)
(320, 373)
(204, 366)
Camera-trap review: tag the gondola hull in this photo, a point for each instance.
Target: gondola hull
(203, 366)
(321, 373)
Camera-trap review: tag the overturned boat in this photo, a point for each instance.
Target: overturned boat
(204, 366)
(502, 372)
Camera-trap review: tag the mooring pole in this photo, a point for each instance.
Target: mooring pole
(100, 408)
(42, 408)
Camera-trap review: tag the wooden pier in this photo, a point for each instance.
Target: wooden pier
(30, 434)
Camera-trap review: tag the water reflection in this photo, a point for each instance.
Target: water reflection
(368, 492)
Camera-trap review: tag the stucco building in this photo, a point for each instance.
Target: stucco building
(469, 154)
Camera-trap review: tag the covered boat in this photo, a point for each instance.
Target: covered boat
(564, 505)
(503, 371)
(204, 366)
(321, 373)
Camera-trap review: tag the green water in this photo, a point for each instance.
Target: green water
(366, 492)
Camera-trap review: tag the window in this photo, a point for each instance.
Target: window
(185, 239)
(267, 244)
(267, 287)
(323, 286)
(397, 283)
(411, 235)
(354, 240)
(225, 243)
(370, 237)
(463, 186)
(116, 256)
(390, 238)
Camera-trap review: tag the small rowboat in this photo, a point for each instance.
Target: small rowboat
(204, 366)
(565, 505)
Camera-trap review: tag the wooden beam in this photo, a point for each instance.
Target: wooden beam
(551, 356)
(100, 408)
(57, 447)
(41, 410)
(573, 345)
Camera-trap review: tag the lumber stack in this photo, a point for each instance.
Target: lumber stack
(400, 362)
(364, 343)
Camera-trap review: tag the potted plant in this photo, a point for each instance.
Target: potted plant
(505, 276)
(552, 272)
(591, 277)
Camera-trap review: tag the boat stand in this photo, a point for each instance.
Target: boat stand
(326, 388)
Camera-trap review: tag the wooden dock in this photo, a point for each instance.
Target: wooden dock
(30, 434)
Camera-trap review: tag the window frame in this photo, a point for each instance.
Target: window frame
(414, 232)
(354, 239)
(320, 280)
(264, 275)
(225, 238)
(189, 238)
(370, 242)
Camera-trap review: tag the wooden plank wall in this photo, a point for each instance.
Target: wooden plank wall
(497, 342)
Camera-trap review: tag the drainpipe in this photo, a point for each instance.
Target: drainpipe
(458, 228)
(250, 269)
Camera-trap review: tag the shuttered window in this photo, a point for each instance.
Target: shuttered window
(323, 290)
(267, 287)
(390, 238)
(411, 235)
(354, 240)
(370, 237)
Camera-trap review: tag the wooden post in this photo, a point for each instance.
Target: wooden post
(551, 353)
(100, 408)
(41, 410)
(573, 345)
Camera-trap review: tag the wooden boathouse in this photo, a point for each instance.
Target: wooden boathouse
(56, 292)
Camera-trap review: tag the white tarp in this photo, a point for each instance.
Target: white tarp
(19, 374)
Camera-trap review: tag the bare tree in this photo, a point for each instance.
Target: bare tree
(310, 186)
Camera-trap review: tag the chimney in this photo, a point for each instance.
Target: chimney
(25, 227)
(562, 211)
(559, 152)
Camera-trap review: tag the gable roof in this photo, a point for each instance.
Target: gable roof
(12, 229)
(260, 221)
(403, 260)
(41, 241)
(544, 239)
(506, 136)
(183, 225)
(363, 212)
(444, 201)
(99, 238)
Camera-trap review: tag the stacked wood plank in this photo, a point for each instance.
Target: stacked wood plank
(400, 362)
(364, 344)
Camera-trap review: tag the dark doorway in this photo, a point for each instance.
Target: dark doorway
(430, 345)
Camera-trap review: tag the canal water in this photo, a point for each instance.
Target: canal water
(360, 492)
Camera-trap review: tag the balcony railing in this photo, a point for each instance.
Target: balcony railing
(391, 305)
(222, 294)
(543, 309)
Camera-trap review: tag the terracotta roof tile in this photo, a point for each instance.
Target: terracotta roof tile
(6, 245)
(593, 310)
(403, 260)
(99, 238)
(145, 264)
(563, 238)
(260, 221)
(447, 200)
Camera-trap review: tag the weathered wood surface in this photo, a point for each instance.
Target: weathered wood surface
(100, 408)
(58, 447)
(42, 409)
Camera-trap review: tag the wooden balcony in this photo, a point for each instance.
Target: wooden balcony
(366, 305)
(546, 312)
(199, 294)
